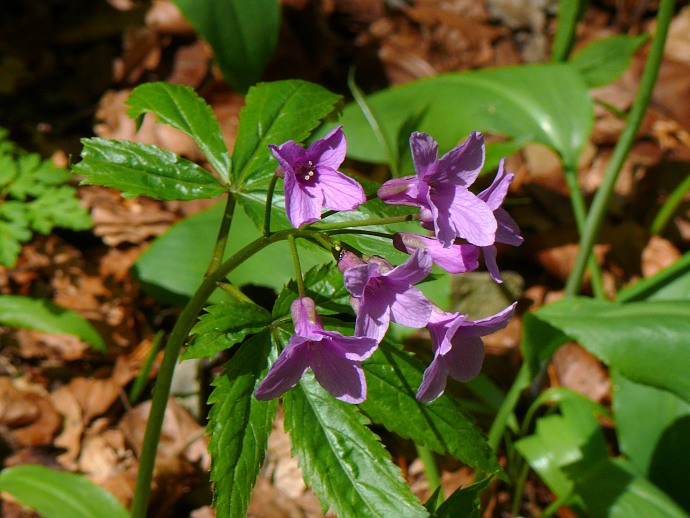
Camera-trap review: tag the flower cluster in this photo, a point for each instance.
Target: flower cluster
(464, 225)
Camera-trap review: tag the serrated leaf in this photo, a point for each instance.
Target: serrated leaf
(605, 59)
(57, 494)
(239, 426)
(58, 207)
(393, 377)
(243, 35)
(12, 235)
(639, 339)
(324, 284)
(144, 170)
(275, 113)
(544, 103)
(44, 316)
(464, 501)
(179, 106)
(343, 461)
(34, 176)
(223, 325)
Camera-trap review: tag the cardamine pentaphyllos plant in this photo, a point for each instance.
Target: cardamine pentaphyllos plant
(307, 342)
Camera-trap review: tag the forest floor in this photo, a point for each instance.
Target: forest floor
(67, 67)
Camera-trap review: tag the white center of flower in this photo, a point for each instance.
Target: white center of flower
(309, 170)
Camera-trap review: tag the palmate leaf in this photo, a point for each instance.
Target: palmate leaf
(180, 107)
(275, 113)
(344, 462)
(144, 170)
(393, 377)
(239, 425)
(223, 325)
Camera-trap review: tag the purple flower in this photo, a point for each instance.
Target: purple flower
(458, 348)
(454, 259)
(312, 179)
(382, 293)
(441, 190)
(334, 358)
(508, 231)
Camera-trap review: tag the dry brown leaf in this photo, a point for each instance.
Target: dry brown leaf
(580, 371)
(165, 18)
(73, 426)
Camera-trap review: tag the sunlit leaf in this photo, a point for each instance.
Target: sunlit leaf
(604, 60)
(44, 316)
(57, 494)
(179, 106)
(144, 170)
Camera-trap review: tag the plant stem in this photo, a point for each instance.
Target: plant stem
(620, 152)
(269, 205)
(580, 211)
(223, 234)
(177, 338)
(509, 403)
(669, 208)
(363, 222)
(298, 268)
(644, 287)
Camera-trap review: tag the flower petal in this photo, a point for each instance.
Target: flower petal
(433, 381)
(471, 219)
(305, 318)
(286, 370)
(340, 192)
(412, 271)
(329, 152)
(302, 206)
(353, 348)
(373, 317)
(488, 325)
(400, 191)
(287, 154)
(498, 190)
(411, 308)
(491, 265)
(508, 231)
(343, 379)
(357, 277)
(424, 153)
(462, 164)
(465, 358)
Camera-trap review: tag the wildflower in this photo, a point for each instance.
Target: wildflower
(312, 179)
(507, 231)
(382, 293)
(454, 259)
(458, 348)
(441, 190)
(334, 358)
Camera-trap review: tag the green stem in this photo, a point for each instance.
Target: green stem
(431, 472)
(223, 234)
(519, 489)
(620, 152)
(500, 423)
(269, 205)
(669, 208)
(363, 222)
(177, 338)
(142, 378)
(644, 287)
(298, 268)
(577, 200)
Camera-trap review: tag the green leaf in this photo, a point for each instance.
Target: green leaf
(569, 13)
(239, 426)
(44, 316)
(144, 170)
(610, 488)
(275, 113)
(464, 501)
(223, 325)
(191, 241)
(58, 207)
(658, 450)
(179, 106)
(243, 35)
(545, 103)
(639, 339)
(393, 377)
(343, 461)
(33, 176)
(12, 235)
(57, 494)
(604, 60)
